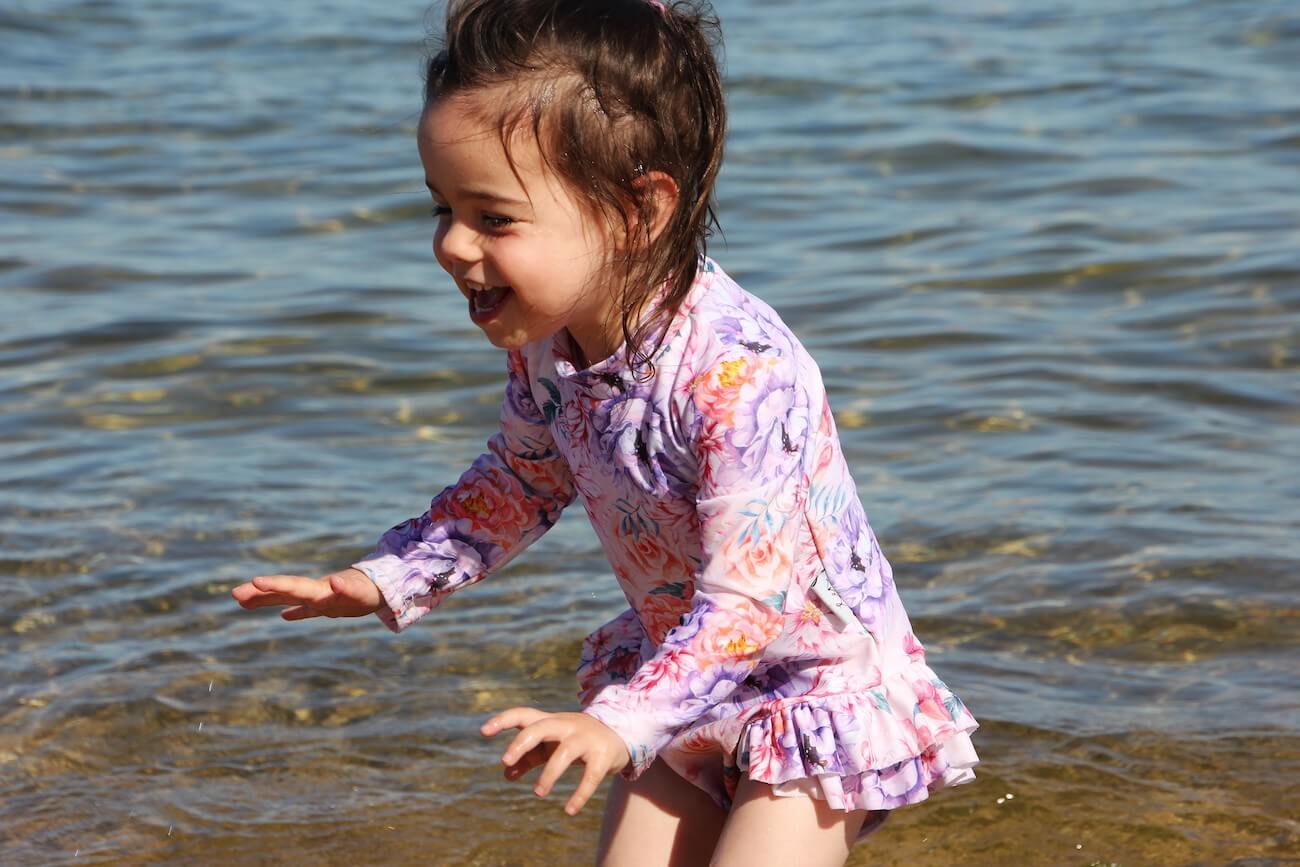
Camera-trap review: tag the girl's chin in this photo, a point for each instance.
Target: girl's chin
(514, 338)
(511, 340)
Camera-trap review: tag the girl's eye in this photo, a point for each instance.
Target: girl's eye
(489, 220)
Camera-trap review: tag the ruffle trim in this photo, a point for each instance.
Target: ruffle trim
(888, 747)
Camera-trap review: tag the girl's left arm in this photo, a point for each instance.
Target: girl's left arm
(753, 426)
(507, 499)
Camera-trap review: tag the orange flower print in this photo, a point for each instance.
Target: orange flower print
(653, 557)
(718, 390)
(660, 612)
(492, 503)
(737, 633)
(473, 503)
(763, 565)
(673, 522)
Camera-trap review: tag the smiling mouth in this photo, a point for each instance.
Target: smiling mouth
(485, 303)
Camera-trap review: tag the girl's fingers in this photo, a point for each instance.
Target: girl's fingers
(555, 767)
(529, 737)
(266, 590)
(299, 612)
(514, 718)
(591, 777)
(531, 759)
(293, 587)
(549, 738)
(262, 600)
(248, 596)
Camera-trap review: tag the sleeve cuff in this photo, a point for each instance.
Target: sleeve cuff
(641, 753)
(398, 610)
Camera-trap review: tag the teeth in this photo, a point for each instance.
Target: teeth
(485, 298)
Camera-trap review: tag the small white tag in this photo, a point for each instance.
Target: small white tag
(822, 589)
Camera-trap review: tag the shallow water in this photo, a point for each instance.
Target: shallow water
(1045, 252)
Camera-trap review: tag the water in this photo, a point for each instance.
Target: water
(1045, 252)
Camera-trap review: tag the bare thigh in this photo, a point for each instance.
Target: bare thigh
(660, 820)
(767, 829)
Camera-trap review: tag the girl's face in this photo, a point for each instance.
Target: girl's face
(521, 250)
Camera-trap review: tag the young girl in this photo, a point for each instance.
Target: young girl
(763, 699)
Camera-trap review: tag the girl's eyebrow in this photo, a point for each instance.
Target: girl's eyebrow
(480, 195)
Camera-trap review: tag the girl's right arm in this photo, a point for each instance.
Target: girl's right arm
(508, 498)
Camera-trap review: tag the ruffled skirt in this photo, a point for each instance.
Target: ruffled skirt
(857, 740)
(858, 752)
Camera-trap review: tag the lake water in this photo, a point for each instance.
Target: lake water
(1047, 253)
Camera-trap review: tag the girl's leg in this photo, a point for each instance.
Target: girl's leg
(767, 829)
(661, 820)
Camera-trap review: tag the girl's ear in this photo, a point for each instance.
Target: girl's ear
(659, 192)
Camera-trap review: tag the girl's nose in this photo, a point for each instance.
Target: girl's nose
(454, 242)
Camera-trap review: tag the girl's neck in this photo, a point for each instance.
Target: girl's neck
(592, 348)
(579, 357)
(591, 344)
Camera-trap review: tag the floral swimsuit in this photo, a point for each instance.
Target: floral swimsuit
(765, 635)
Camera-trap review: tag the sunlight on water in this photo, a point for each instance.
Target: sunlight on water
(1045, 254)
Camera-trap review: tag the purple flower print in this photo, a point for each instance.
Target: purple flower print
(729, 328)
(815, 740)
(751, 322)
(771, 423)
(704, 689)
(900, 784)
(438, 557)
(778, 682)
(628, 443)
(692, 621)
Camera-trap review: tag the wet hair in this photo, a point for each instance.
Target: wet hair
(610, 90)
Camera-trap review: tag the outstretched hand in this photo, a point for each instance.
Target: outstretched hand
(349, 593)
(559, 740)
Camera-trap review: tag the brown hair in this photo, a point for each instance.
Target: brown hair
(612, 89)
